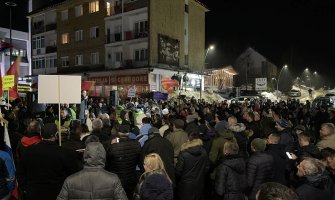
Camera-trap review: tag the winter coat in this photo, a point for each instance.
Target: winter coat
(231, 179)
(10, 169)
(313, 187)
(259, 171)
(157, 144)
(177, 138)
(217, 146)
(280, 162)
(286, 139)
(154, 185)
(191, 167)
(330, 185)
(241, 138)
(98, 183)
(308, 151)
(43, 169)
(122, 159)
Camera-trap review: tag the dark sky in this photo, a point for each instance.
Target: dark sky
(19, 21)
(299, 33)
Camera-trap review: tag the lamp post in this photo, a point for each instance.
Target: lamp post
(274, 80)
(285, 66)
(10, 4)
(211, 47)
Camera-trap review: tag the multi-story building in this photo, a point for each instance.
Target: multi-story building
(20, 43)
(119, 44)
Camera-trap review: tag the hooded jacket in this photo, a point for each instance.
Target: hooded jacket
(231, 179)
(218, 143)
(241, 138)
(191, 167)
(313, 187)
(93, 182)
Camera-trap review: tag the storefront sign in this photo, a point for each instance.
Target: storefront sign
(130, 79)
(23, 88)
(102, 80)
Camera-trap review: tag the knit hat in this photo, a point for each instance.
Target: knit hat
(300, 127)
(49, 130)
(258, 144)
(283, 123)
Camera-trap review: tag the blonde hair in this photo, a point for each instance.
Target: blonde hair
(154, 162)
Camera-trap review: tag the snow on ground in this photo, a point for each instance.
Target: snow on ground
(207, 95)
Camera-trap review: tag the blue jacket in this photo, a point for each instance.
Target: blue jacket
(10, 168)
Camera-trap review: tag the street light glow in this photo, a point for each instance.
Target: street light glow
(211, 47)
(315, 73)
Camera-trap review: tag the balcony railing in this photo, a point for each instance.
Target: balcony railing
(128, 35)
(50, 27)
(51, 49)
(130, 6)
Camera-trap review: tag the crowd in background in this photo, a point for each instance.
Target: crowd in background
(188, 149)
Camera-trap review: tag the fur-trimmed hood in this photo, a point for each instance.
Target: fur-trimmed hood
(239, 127)
(190, 144)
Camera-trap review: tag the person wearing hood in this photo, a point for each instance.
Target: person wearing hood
(98, 183)
(191, 168)
(238, 131)
(221, 138)
(313, 180)
(231, 179)
(286, 137)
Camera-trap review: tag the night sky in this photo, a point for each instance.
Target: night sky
(299, 33)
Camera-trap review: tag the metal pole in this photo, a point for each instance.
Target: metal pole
(201, 73)
(279, 79)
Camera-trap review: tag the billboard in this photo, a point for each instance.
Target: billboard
(261, 84)
(168, 50)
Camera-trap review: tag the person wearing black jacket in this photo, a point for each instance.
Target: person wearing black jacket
(157, 144)
(191, 167)
(280, 159)
(231, 179)
(122, 157)
(259, 167)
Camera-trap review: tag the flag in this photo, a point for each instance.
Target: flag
(4, 46)
(14, 70)
(87, 85)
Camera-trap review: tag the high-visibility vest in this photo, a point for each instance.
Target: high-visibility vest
(73, 113)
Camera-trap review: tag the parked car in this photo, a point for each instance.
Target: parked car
(323, 101)
(242, 99)
(294, 93)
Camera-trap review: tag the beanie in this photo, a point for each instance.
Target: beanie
(258, 144)
(283, 123)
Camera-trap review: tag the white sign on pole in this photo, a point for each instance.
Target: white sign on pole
(59, 89)
(132, 92)
(261, 84)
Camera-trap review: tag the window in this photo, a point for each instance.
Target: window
(65, 38)
(79, 35)
(94, 6)
(78, 10)
(95, 58)
(108, 7)
(186, 59)
(65, 15)
(141, 54)
(118, 57)
(50, 61)
(186, 8)
(94, 32)
(141, 29)
(65, 61)
(79, 60)
(38, 42)
(38, 63)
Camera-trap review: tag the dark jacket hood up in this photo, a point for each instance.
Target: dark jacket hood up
(194, 147)
(94, 155)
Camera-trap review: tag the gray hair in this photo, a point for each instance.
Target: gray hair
(313, 166)
(330, 127)
(97, 124)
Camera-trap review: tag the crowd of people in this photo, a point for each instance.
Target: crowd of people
(143, 149)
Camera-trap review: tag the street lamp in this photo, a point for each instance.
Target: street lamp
(285, 66)
(10, 4)
(211, 47)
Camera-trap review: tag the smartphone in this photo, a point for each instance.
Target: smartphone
(289, 155)
(117, 140)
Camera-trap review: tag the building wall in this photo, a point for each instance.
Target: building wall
(196, 26)
(85, 22)
(167, 18)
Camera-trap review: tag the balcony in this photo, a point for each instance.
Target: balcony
(130, 6)
(50, 27)
(128, 35)
(51, 49)
(38, 27)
